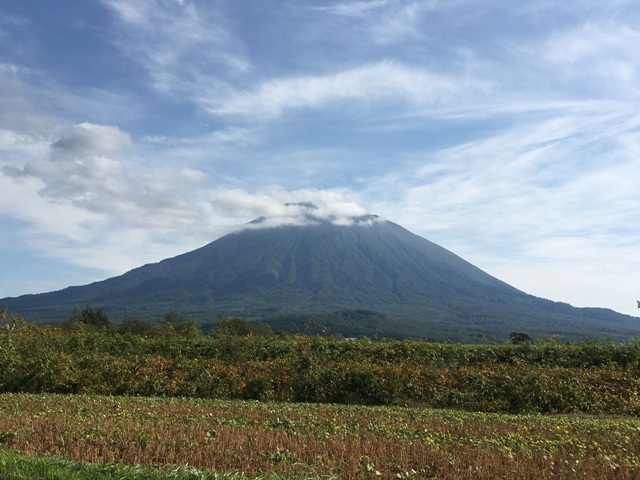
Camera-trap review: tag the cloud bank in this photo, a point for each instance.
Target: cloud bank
(86, 166)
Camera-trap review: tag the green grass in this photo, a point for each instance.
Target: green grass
(15, 466)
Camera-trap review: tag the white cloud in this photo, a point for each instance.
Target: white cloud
(353, 9)
(85, 167)
(277, 207)
(383, 82)
(44, 218)
(89, 139)
(78, 167)
(82, 200)
(604, 57)
(85, 201)
(593, 41)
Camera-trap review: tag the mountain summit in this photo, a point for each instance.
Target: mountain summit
(356, 274)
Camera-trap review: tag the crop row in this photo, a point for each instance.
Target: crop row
(304, 441)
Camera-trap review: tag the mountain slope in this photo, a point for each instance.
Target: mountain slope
(321, 270)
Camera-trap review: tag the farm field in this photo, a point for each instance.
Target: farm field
(79, 401)
(266, 439)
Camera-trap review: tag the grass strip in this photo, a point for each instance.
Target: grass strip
(15, 466)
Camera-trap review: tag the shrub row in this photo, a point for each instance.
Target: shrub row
(540, 377)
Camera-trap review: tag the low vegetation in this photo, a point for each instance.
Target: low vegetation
(262, 439)
(233, 363)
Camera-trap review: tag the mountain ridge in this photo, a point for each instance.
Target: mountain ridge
(323, 268)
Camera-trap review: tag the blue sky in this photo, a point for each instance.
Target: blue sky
(507, 132)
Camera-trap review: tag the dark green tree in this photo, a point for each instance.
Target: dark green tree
(519, 337)
(175, 324)
(89, 317)
(241, 327)
(136, 326)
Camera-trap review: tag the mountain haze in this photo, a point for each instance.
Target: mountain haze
(361, 276)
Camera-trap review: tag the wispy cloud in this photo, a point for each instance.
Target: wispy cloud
(11, 22)
(382, 22)
(375, 84)
(549, 166)
(608, 54)
(399, 26)
(183, 47)
(540, 197)
(353, 9)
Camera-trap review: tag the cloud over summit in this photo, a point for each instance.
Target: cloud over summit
(279, 208)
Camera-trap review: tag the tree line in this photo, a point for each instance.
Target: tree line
(171, 324)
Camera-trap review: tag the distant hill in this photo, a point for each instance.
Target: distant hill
(370, 277)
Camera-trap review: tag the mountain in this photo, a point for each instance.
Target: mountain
(368, 276)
